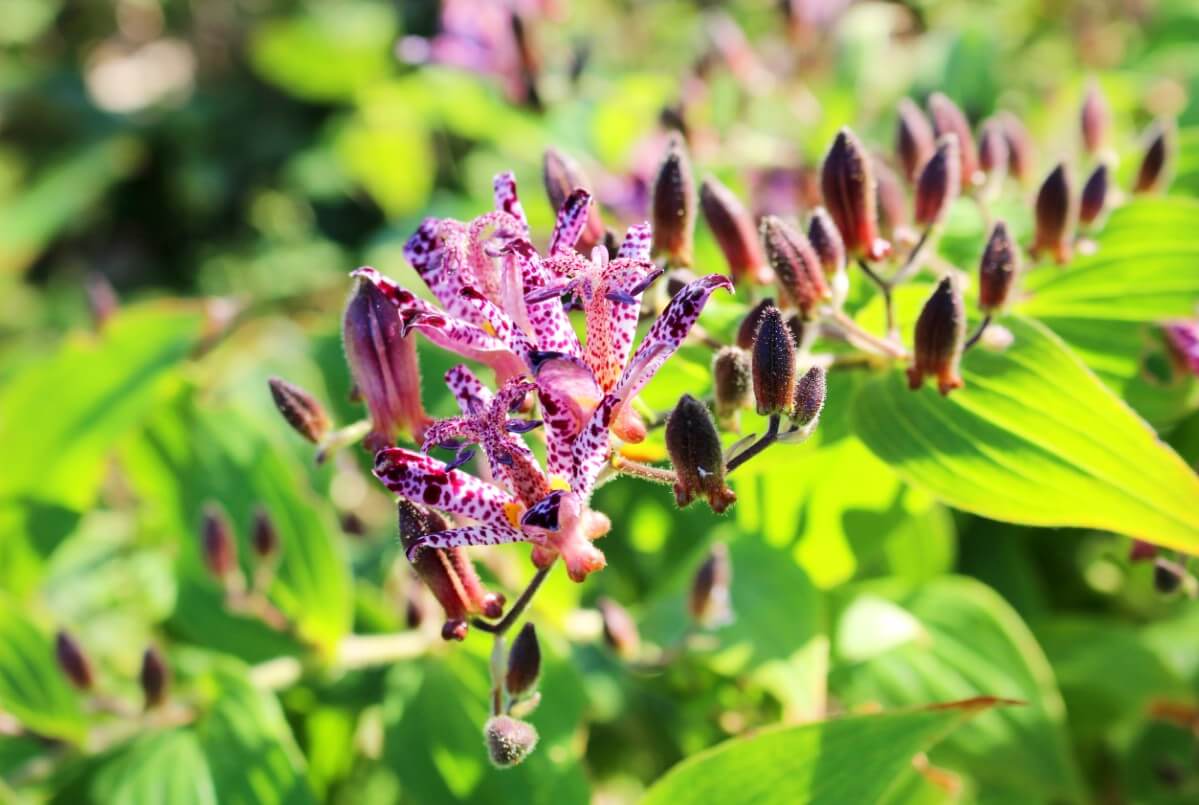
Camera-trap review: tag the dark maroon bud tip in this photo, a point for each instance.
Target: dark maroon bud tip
(1095, 118)
(940, 336)
(848, 184)
(773, 364)
(620, 632)
(300, 409)
(993, 151)
(1167, 576)
(810, 392)
(1055, 216)
(524, 662)
(1021, 159)
(73, 663)
(748, 329)
(509, 740)
(732, 381)
(891, 198)
(154, 677)
(217, 543)
(693, 444)
(1151, 174)
(948, 118)
(797, 268)
(673, 205)
(913, 139)
(826, 242)
(1141, 551)
(264, 538)
(454, 629)
(1094, 195)
(997, 269)
(709, 603)
(735, 233)
(939, 183)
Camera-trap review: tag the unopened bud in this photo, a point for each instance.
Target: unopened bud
(892, 200)
(826, 242)
(1153, 165)
(264, 538)
(1054, 216)
(997, 269)
(154, 677)
(847, 182)
(1094, 196)
(562, 176)
(748, 329)
(810, 392)
(524, 662)
(300, 409)
(620, 633)
(216, 542)
(509, 740)
(948, 118)
(797, 268)
(993, 152)
(1182, 341)
(732, 382)
(1167, 575)
(1022, 159)
(939, 183)
(1095, 118)
(696, 453)
(734, 230)
(384, 364)
(709, 603)
(673, 205)
(940, 335)
(773, 364)
(913, 139)
(102, 300)
(1141, 551)
(73, 663)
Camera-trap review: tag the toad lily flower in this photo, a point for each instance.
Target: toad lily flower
(504, 306)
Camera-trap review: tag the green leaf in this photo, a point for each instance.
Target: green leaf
(159, 767)
(32, 687)
(854, 759)
(1033, 438)
(1186, 169)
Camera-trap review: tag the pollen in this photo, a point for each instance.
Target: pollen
(513, 512)
(560, 483)
(488, 328)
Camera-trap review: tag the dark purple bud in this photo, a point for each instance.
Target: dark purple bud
(797, 269)
(1153, 165)
(263, 536)
(940, 336)
(847, 182)
(1094, 196)
(620, 632)
(997, 269)
(1167, 575)
(773, 364)
(154, 677)
(939, 182)
(734, 230)
(748, 330)
(216, 542)
(509, 740)
(913, 139)
(1141, 551)
(73, 663)
(102, 300)
(993, 152)
(892, 200)
(826, 242)
(562, 176)
(673, 205)
(732, 381)
(524, 662)
(1095, 118)
(1022, 160)
(708, 603)
(352, 524)
(1055, 216)
(300, 409)
(810, 392)
(948, 118)
(693, 444)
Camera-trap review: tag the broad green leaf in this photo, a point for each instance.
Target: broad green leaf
(854, 759)
(967, 641)
(32, 688)
(166, 766)
(1033, 438)
(1186, 169)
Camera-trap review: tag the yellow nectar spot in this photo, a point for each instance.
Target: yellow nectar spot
(559, 483)
(513, 512)
(643, 451)
(487, 328)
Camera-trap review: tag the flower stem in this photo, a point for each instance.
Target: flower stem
(772, 433)
(884, 288)
(973, 339)
(522, 603)
(635, 469)
(866, 340)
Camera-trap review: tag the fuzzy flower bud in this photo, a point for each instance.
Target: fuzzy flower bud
(940, 335)
(1094, 196)
(524, 661)
(708, 603)
(797, 268)
(913, 139)
(154, 677)
(216, 542)
(733, 228)
(773, 364)
(264, 538)
(1021, 157)
(993, 152)
(891, 198)
(826, 242)
(732, 382)
(562, 176)
(73, 663)
(948, 118)
(748, 329)
(1153, 164)
(847, 182)
(384, 365)
(300, 409)
(620, 632)
(695, 451)
(509, 740)
(1095, 118)
(997, 269)
(1054, 216)
(939, 182)
(810, 392)
(673, 205)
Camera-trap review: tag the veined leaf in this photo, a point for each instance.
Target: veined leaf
(1033, 438)
(32, 687)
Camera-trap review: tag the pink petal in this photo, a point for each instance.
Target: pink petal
(611, 325)
(572, 217)
(424, 479)
(637, 242)
(545, 320)
(465, 537)
(470, 393)
(506, 199)
(501, 323)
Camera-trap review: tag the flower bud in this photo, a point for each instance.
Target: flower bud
(384, 365)
(892, 200)
(1021, 161)
(1095, 118)
(263, 537)
(708, 603)
(940, 335)
(673, 205)
(1167, 575)
(562, 176)
(847, 182)
(734, 230)
(300, 409)
(102, 300)
(509, 740)
(620, 633)
(1153, 164)
(810, 392)
(993, 153)
(154, 677)
(948, 118)
(1094, 196)
(748, 330)
(217, 543)
(939, 182)
(732, 382)
(796, 267)
(1054, 216)
(997, 269)
(826, 242)
(72, 661)
(913, 139)
(1182, 341)
(773, 364)
(696, 453)
(524, 662)
(1141, 551)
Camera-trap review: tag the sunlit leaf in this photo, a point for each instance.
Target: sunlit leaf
(32, 688)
